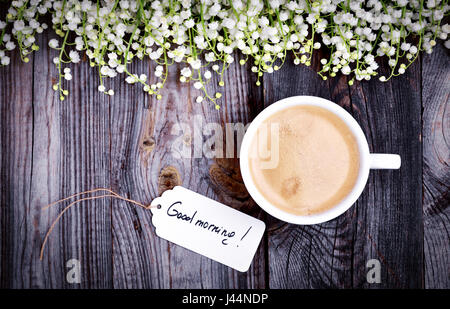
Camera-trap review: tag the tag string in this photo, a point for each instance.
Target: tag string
(111, 194)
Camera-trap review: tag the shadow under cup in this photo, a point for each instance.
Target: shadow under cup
(341, 204)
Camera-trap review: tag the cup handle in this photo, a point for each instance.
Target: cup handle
(385, 161)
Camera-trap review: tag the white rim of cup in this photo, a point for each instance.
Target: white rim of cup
(364, 158)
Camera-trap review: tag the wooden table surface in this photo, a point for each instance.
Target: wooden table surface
(51, 149)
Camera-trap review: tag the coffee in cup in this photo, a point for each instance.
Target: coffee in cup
(317, 159)
(305, 160)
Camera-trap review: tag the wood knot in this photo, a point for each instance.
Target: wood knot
(148, 144)
(137, 226)
(226, 176)
(169, 177)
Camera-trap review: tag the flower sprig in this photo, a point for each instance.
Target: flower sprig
(202, 35)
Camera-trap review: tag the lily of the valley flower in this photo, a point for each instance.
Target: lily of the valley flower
(203, 35)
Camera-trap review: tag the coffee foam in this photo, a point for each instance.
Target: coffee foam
(318, 160)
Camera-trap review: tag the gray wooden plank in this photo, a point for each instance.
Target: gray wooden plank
(71, 154)
(436, 171)
(309, 256)
(148, 167)
(137, 261)
(16, 139)
(389, 212)
(240, 100)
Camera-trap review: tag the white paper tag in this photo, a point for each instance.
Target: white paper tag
(207, 227)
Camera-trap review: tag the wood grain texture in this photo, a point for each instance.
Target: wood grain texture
(70, 147)
(436, 167)
(389, 216)
(16, 138)
(130, 143)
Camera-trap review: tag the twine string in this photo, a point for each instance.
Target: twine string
(111, 194)
(78, 194)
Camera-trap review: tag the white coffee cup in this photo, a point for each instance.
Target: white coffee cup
(367, 160)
